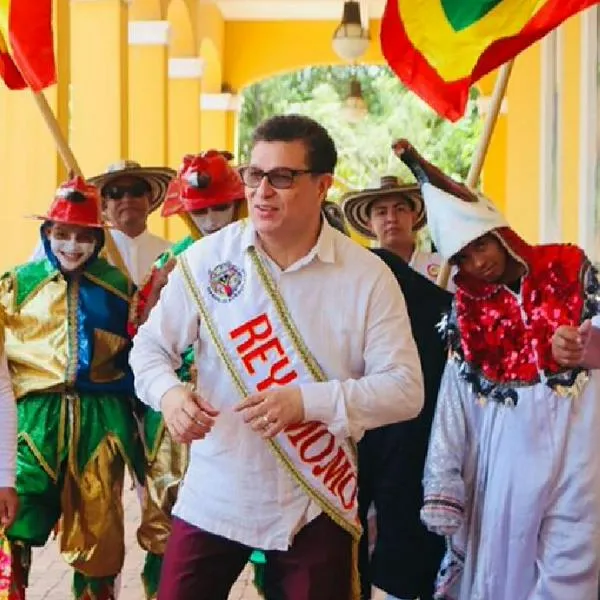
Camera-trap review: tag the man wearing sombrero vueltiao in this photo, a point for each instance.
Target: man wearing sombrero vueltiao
(130, 193)
(67, 348)
(512, 476)
(392, 213)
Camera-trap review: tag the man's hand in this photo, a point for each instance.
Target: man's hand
(270, 412)
(568, 346)
(590, 338)
(187, 416)
(9, 502)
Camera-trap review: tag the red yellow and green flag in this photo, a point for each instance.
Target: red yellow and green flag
(26, 44)
(439, 48)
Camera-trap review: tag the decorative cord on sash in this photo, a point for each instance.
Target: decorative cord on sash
(344, 513)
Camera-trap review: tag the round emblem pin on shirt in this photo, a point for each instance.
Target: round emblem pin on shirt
(433, 270)
(225, 281)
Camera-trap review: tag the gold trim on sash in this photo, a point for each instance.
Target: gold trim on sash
(307, 358)
(310, 362)
(352, 528)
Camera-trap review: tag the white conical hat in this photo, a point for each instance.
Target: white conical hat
(454, 223)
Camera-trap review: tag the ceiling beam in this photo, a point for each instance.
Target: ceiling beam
(294, 10)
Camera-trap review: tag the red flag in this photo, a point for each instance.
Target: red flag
(27, 44)
(439, 48)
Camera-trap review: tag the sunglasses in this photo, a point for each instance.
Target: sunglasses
(135, 190)
(280, 178)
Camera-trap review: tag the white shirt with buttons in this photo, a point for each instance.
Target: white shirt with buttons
(351, 313)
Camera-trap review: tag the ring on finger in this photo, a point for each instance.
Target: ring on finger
(266, 420)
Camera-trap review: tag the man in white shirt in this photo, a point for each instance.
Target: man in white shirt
(303, 342)
(130, 193)
(392, 213)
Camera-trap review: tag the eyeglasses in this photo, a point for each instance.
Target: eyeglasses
(135, 190)
(280, 178)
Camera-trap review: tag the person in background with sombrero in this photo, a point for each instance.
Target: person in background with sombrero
(397, 554)
(391, 458)
(392, 213)
(67, 348)
(130, 193)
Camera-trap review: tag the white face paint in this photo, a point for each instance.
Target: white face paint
(70, 249)
(210, 220)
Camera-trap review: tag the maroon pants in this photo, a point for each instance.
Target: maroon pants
(201, 566)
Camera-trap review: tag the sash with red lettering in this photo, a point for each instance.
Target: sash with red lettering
(256, 339)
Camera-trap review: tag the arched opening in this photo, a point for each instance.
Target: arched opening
(182, 43)
(363, 141)
(212, 73)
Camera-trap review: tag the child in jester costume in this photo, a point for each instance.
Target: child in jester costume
(207, 194)
(67, 348)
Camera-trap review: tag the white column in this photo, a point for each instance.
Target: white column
(551, 138)
(588, 134)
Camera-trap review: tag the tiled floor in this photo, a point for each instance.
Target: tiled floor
(51, 579)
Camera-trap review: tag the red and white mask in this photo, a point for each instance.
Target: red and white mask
(72, 245)
(209, 220)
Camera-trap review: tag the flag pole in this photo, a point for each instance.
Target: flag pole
(483, 145)
(73, 167)
(61, 143)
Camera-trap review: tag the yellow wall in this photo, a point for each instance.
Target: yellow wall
(523, 143)
(29, 165)
(493, 178)
(99, 78)
(123, 105)
(184, 135)
(570, 130)
(254, 51)
(148, 113)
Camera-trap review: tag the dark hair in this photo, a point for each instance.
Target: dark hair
(403, 198)
(321, 154)
(455, 260)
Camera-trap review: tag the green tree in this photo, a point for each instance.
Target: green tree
(364, 147)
